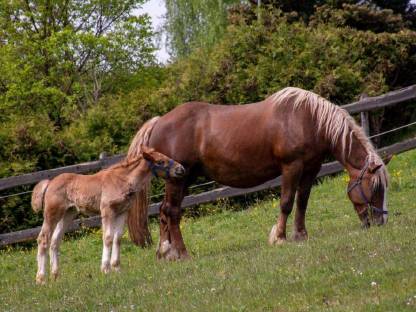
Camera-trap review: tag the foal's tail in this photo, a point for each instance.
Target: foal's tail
(38, 195)
(137, 220)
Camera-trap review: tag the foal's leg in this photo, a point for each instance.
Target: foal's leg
(56, 240)
(291, 174)
(304, 190)
(108, 233)
(52, 215)
(118, 230)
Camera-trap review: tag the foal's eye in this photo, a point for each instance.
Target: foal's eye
(159, 162)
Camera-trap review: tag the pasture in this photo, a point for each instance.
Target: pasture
(340, 268)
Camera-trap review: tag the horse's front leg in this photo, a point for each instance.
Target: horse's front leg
(304, 190)
(118, 231)
(291, 174)
(171, 245)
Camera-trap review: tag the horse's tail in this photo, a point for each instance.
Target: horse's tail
(38, 195)
(137, 220)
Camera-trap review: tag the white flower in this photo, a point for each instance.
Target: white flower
(373, 284)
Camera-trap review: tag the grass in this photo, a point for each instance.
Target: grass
(340, 268)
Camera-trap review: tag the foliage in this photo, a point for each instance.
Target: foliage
(256, 59)
(340, 268)
(360, 17)
(194, 24)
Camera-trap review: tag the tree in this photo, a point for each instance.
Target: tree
(58, 57)
(191, 24)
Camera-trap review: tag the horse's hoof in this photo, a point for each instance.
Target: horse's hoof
(167, 252)
(40, 280)
(116, 269)
(300, 236)
(274, 239)
(164, 248)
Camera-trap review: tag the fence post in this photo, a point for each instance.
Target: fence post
(365, 123)
(102, 157)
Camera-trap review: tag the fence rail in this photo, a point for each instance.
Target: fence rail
(191, 200)
(365, 104)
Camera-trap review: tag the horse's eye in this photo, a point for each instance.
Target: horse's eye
(159, 162)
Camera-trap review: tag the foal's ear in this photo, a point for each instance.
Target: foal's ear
(147, 155)
(375, 165)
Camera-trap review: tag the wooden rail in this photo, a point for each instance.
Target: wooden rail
(206, 197)
(364, 105)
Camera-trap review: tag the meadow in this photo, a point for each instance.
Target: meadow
(342, 267)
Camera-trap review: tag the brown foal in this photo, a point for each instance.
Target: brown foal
(109, 192)
(289, 134)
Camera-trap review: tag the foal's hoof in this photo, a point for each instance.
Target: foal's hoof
(40, 280)
(116, 269)
(300, 236)
(55, 275)
(105, 269)
(274, 239)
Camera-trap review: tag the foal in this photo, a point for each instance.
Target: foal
(108, 192)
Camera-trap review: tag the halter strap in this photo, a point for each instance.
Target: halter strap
(370, 208)
(154, 168)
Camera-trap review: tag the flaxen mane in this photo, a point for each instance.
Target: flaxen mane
(334, 122)
(137, 219)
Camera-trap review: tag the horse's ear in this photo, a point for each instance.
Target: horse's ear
(387, 158)
(375, 165)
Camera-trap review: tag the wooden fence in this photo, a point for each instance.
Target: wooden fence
(364, 105)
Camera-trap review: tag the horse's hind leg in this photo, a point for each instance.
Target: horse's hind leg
(291, 174)
(304, 190)
(118, 226)
(59, 232)
(52, 215)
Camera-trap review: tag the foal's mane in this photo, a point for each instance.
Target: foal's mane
(127, 162)
(334, 123)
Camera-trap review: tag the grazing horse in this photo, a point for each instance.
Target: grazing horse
(109, 192)
(289, 134)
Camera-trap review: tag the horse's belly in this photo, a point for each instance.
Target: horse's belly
(236, 176)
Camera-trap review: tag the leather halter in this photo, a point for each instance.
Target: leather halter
(154, 168)
(367, 201)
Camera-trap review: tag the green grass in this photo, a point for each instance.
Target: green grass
(234, 269)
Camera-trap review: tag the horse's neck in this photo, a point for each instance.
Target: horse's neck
(354, 156)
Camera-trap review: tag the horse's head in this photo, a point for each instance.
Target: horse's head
(367, 190)
(161, 165)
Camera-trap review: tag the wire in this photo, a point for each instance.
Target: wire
(392, 130)
(17, 194)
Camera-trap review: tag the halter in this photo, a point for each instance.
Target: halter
(370, 208)
(154, 168)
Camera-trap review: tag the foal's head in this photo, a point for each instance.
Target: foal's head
(368, 192)
(161, 165)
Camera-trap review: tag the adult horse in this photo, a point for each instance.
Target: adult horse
(288, 134)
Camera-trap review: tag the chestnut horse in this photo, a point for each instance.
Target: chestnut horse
(288, 134)
(109, 192)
